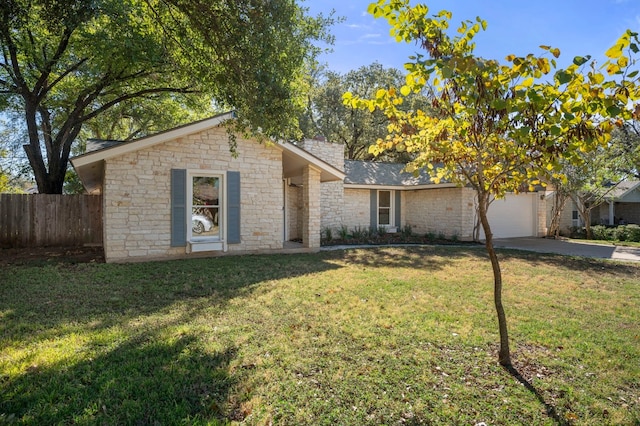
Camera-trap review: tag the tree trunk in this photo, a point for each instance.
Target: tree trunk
(504, 355)
(559, 201)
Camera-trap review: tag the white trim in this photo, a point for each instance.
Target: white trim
(400, 187)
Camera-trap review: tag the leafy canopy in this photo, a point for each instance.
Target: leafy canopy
(497, 125)
(65, 63)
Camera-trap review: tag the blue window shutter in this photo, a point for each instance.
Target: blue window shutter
(178, 207)
(398, 208)
(373, 223)
(233, 207)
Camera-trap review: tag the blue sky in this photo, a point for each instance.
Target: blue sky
(576, 27)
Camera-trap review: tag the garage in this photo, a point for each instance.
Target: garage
(514, 216)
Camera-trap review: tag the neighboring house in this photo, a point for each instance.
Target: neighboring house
(182, 191)
(158, 190)
(621, 206)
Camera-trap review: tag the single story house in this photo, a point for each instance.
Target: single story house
(181, 192)
(622, 204)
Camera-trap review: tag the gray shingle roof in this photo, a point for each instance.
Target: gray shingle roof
(97, 144)
(622, 189)
(383, 174)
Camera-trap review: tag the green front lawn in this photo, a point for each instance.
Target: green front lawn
(375, 336)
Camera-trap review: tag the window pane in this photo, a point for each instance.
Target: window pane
(205, 191)
(384, 198)
(384, 216)
(205, 214)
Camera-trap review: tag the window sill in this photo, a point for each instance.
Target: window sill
(199, 246)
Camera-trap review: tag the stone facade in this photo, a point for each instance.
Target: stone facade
(136, 194)
(448, 211)
(356, 208)
(332, 193)
(311, 219)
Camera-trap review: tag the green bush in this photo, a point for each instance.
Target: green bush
(327, 234)
(407, 231)
(601, 232)
(633, 233)
(343, 232)
(619, 233)
(359, 233)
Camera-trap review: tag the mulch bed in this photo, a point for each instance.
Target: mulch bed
(23, 256)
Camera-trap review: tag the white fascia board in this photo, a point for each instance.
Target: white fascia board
(311, 159)
(400, 187)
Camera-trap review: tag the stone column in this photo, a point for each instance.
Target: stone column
(311, 207)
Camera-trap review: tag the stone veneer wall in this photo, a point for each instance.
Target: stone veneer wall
(137, 194)
(311, 220)
(445, 210)
(357, 208)
(331, 193)
(294, 212)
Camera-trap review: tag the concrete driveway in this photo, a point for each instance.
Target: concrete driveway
(570, 248)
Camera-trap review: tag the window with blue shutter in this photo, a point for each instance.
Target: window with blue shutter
(199, 211)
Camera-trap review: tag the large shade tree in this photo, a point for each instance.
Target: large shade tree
(64, 63)
(326, 115)
(495, 126)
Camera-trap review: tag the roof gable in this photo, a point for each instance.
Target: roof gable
(90, 166)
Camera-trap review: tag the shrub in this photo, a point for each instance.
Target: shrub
(601, 232)
(359, 233)
(327, 234)
(633, 232)
(430, 235)
(343, 232)
(381, 231)
(627, 233)
(577, 232)
(406, 231)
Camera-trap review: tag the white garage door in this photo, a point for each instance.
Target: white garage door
(514, 216)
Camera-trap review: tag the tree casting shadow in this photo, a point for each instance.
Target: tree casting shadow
(550, 409)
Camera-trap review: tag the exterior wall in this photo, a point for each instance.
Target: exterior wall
(137, 194)
(356, 208)
(541, 202)
(311, 218)
(445, 210)
(294, 213)
(331, 193)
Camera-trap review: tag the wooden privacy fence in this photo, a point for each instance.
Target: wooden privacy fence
(41, 220)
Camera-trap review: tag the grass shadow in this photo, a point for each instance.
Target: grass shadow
(35, 299)
(549, 408)
(142, 381)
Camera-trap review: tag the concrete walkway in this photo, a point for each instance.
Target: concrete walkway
(570, 248)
